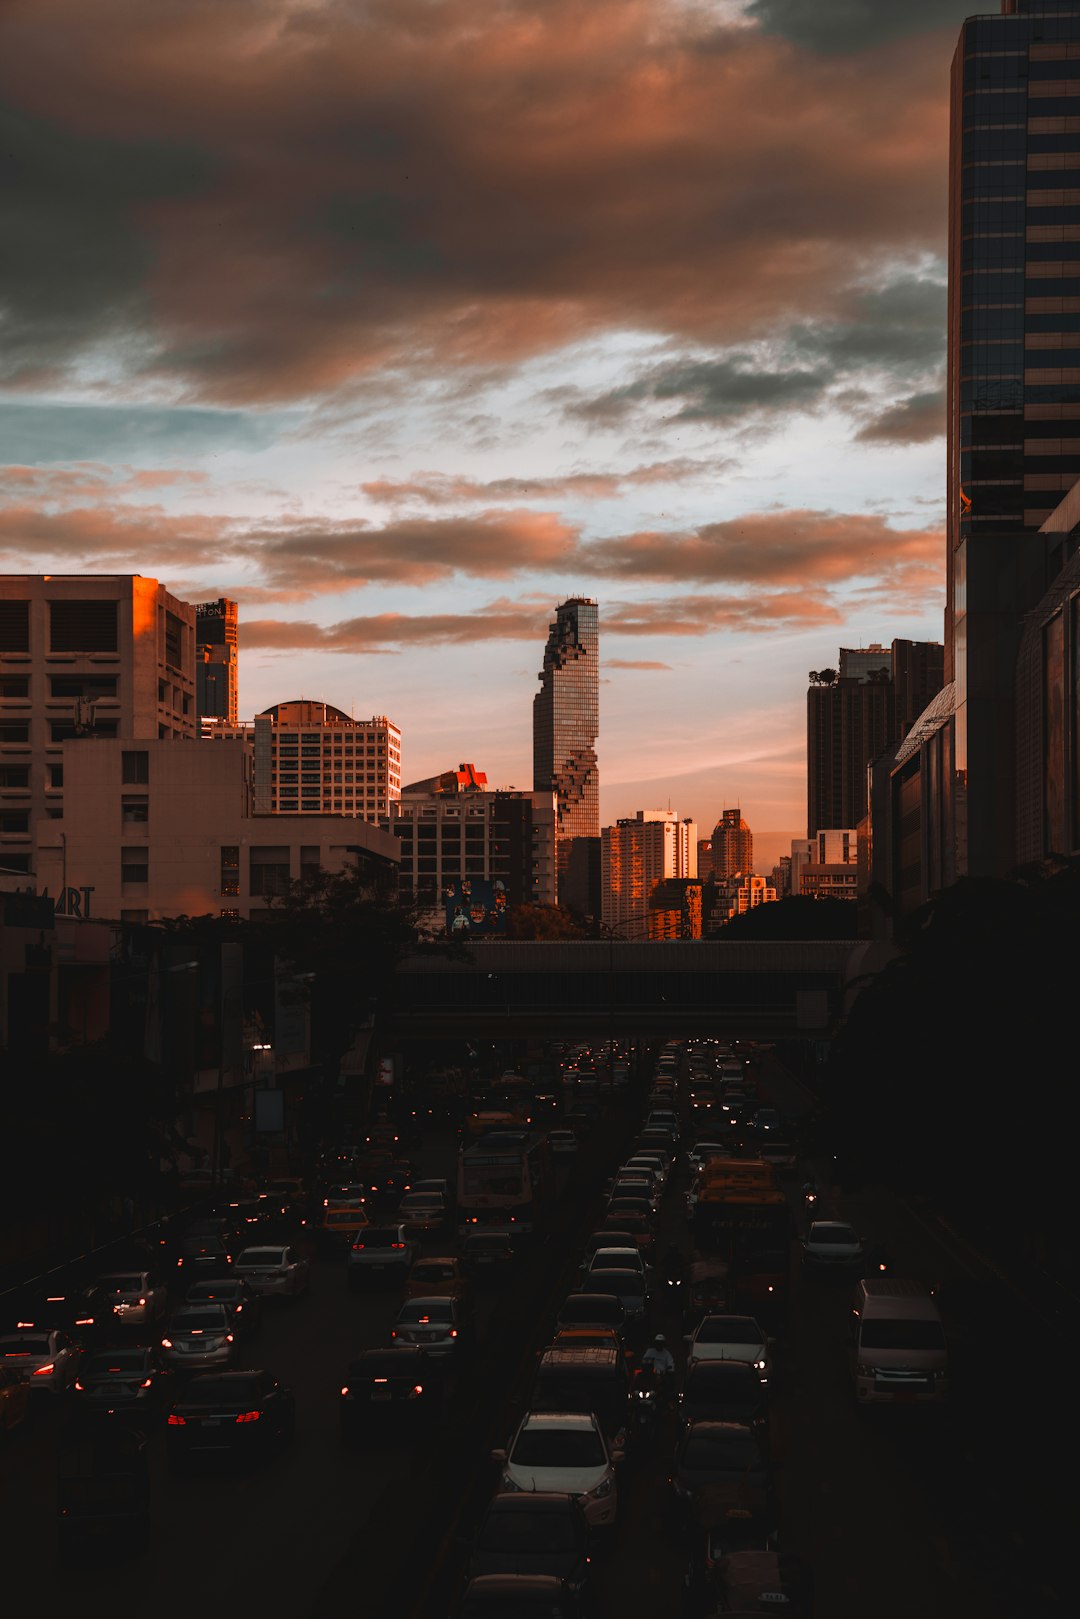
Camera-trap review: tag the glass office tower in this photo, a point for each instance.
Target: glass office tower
(566, 719)
(1014, 381)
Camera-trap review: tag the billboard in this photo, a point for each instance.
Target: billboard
(475, 906)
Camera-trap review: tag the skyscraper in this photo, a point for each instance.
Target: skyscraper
(1014, 386)
(637, 855)
(732, 845)
(566, 719)
(216, 693)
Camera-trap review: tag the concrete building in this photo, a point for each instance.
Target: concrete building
(309, 758)
(732, 845)
(99, 656)
(216, 666)
(566, 720)
(676, 909)
(637, 854)
(452, 830)
(155, 829)
(739, 893)
(826, 866)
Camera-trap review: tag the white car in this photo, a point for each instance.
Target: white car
(564, 1143)
(832, 1245)
(730, 1337)
(135, 1298)
(274, 1270)
(565, 1452)
(616, 1259)
(48, 1361)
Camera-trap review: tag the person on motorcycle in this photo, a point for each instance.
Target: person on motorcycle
(659, 1359)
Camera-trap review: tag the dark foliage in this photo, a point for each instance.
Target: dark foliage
(794, 918)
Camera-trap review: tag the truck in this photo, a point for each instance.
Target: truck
(740, 1212)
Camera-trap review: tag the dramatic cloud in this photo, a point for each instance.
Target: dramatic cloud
(270, 200)
(50, 432)
(443, 489)
(634, 663)
(852, 25)
(912, 421)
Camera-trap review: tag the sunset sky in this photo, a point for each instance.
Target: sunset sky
(401, 321)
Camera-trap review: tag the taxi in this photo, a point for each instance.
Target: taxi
(341, 1218)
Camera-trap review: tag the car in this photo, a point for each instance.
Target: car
(575, 1377)
(230, 1414)
(703, 1150)
(203, 1256)
(340, 1220)
(14, 1399)
(518, 1596)
(199, 1337)
(609, 1237)
(657, 1159)
(389, 1387)
(280, 1271)
(136, 1298)
(423, 1213)
(631, 1288)
(587, 1338)
(126, 1381)
(649, 1176)
(730, 1337)
(46, 1361)
(616, 1256)
(541, 1532)
(437, 1275)
(620, 1204)
(620, 1226)
(487, 1255)
(564, 1143)
(724, 1459)
(563, 1452)
(290, 1193)
(725, 1391)
(78, 1313)
(380, 1253)
(833, 1246)
(242, 1302)
(439, 1325)
(586, 1307)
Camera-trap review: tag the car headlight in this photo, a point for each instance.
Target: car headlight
(605, 1487)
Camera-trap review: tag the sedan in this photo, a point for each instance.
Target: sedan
(279, 1272)
(723, 1458)
(136, 1298)
(47, 1361)
(380, 1253)
(615, 1256)
(77, 1314)
(522, 1596)
(437, 1276)
(724, 1391)
(487, 1255)
(244, 1305)
(203, 1256)
(832, 1245)
(423, 1213)
(200, 1337)
(124, 1382)
(389, 1388)
(535, 1533)
(730, 1337)
(564, 1143)
(436, 1324)
(230, 1414)
(631, 1288)
(563, 1452)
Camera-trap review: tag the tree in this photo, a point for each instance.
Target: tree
(795, 917)
(541, 922)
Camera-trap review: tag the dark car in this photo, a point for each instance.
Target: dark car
(203, 1256)
(631, 1288)
(535, 1532)
(78, 1313)
(519, 1596)
(487, 1255)
(232, 1414)
(719, 1469)
(589, 1309)
(725, 1391)
(242, 1302)
(389, 1388)
(125, 1383)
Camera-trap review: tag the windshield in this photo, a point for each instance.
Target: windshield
(901, 1334)
(24, 1346)
(718, 1329)
(558, 1447)
(201, 1320)
(842, 1233)
(712, 1452)
(493, 1180)
(219, 1391)
(529, 1532)
(262, 1256)
(427, 1310)
(559, 1390)
(116, 1363)
(431, 1272)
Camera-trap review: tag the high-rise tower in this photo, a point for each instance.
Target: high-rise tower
(1014, 384)
(732, 845)
(566, 719)
(216, 660)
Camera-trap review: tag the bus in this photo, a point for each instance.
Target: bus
(506, 1182)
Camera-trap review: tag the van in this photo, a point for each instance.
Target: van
(899, 1351)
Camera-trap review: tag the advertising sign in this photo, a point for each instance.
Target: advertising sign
(475, 906)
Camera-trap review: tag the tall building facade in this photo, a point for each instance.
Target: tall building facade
(312, 759)
(1013, 387)
(566, 721)
(732, 845)
(636, 855)
(98, 656)
(216, 668)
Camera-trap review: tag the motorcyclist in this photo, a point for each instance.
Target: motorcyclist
(660, 1361)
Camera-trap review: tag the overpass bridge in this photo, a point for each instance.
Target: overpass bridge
(746, 989)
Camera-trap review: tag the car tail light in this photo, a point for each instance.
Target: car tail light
(393, 1332)
(345, 1391)
(81, 1387)
(85, 1321)
(43, 1371)
(142, 1301)
(397, 1245)
(166, 1343)
(249, 1416)
(175, 1421)
(356, 1247)
(180, 1261)
(453, 1332)
(417, 1389)
(228, 1337)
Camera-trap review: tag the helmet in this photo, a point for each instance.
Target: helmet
(659, 1339)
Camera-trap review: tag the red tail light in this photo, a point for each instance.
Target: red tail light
(381, 1380)
(80, 1386)
(397, 1245)
(43, 1371)
(249, 1416)
(175, 1421)
(147, 1383)
(418, 1388)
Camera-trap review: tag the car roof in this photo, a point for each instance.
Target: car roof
(583, 1421)
(746, 1321)
(830, 1225)
(593, 1355)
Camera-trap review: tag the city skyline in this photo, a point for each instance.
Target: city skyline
(311, 335)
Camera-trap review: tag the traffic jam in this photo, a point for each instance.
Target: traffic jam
(543, 1329)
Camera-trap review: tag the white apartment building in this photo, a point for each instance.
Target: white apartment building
(309, 758)
(826, 865)
(635, 855)
(155, 829)
(99, 656)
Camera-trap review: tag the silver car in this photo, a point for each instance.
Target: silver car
(48, 1361)
(135, 1298)
(200, 1338)
(436, 1324)
(274, 1271)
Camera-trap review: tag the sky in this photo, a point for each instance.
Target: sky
(401, 321)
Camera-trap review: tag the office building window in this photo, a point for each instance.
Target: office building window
(14, 733)
(14, 775)
(268, 871)
(135, 865)
(15, 862)
(82, 626)
(89, 686)
(14, 685)
(134, 811)
(56, 775)
(173, 641)
(135, 768)
(14, 821)
(14, 627)
(230, 868)
(231, 911)
(310, 862)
